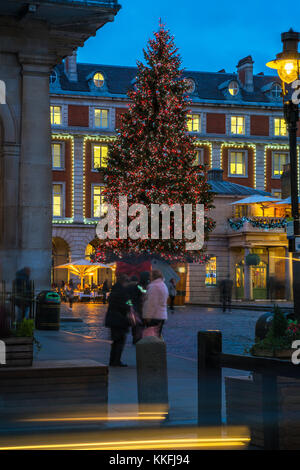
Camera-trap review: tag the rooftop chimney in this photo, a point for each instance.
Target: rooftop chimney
(215, 174)
(245, 73)
(71, 67)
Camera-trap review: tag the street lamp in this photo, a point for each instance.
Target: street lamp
(287, 64)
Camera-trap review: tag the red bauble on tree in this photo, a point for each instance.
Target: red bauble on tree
(152, 159)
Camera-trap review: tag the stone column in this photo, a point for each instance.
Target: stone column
(247, 277)
(260, 167)
(9, 250)
(78, 179)
(35, 196)
(216, 155)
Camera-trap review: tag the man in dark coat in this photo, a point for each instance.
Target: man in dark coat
(226, 293)
(23, 293)
(116, 319)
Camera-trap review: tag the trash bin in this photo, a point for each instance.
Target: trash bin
(264, 322)
(47, 316)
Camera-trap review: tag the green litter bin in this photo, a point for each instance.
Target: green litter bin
(47, 315)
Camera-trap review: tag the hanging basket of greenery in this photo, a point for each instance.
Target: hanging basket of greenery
(252, 259)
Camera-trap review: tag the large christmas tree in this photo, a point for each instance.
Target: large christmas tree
(152, 159)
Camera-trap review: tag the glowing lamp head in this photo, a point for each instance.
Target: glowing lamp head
(287, 63)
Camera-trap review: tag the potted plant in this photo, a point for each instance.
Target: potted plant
(18, 341)
(279, 338)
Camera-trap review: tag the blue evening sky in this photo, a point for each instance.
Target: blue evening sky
(210, 35)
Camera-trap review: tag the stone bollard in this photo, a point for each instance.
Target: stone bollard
(152, 375)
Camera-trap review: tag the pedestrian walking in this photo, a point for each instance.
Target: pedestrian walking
(116, 319)
(226, 293)
(137, 290)
(155, 305)
(70, 294)
(23, 294)
(105, 290)
(172, 293)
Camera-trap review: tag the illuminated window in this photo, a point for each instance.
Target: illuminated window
(280, 127)
(100, 154)
(237, 125)
(233, 88)
(241, 210)
(57, 191)
(98, 205)
(57, 156)
(276, 91)
(193, 122)
(101, 118)
(279, 160)
(55, 115)
(276, 194)
(98, 80)
(211, 272)
(199, 158)
(237, 164)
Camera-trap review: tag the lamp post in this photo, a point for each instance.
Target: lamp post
(287, 64)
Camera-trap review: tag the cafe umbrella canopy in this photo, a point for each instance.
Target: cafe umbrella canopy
(83, 267)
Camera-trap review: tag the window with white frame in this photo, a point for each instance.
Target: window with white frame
(233, 88)
(100, 156)
(199, 157)
(57, 156)
(279, 160)
(280, 127)
(98, 80)
(55, 115)
(193, 122)
(276, 91)
(101, 118)
(237, 163)
(99, 206)
(58, 199)
(237, 125)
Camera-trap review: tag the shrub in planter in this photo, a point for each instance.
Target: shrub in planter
(278, 341)
(18, 342)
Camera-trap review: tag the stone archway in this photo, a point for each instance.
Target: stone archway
(60, 255)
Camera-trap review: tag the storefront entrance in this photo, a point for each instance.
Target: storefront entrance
(258, 278)
(259, 281)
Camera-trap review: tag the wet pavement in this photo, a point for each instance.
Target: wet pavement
(180, 332)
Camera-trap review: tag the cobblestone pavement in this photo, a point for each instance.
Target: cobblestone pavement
(180, 332)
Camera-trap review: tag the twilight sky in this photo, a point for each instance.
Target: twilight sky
(210, 34)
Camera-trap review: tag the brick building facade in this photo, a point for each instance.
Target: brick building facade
(239, 127)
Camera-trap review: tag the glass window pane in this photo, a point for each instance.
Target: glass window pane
(57, 155)
(211, 272)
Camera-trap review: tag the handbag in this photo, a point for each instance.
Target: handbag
(133, 318)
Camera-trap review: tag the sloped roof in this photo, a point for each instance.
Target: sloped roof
(119, 79)
(228, 188)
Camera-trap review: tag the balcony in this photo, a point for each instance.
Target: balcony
(257, 224)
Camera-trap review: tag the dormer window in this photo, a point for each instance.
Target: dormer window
(276, 91)
(233, 88)
(191, 85)
(98, 80)
(52, 77)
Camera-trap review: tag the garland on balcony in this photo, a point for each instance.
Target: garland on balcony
(265, 224)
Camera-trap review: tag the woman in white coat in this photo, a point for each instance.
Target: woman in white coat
(155, 306)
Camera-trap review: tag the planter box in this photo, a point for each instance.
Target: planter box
(19, 351)
(244, 407)
(282, 354)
